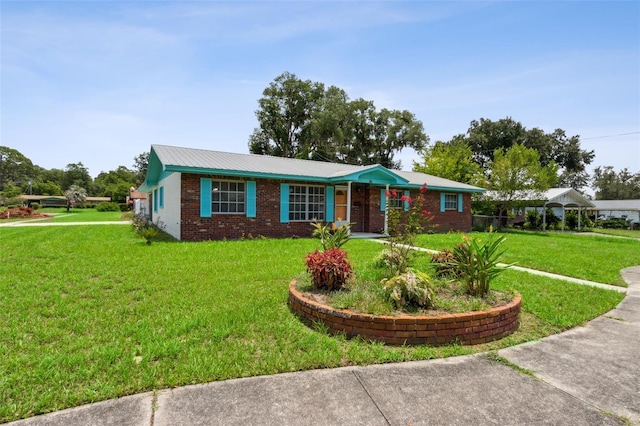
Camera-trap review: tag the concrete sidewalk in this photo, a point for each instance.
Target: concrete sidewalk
(587, 376)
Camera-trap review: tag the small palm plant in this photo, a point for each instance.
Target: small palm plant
(330, 235)
(477, 264)
(75, 194)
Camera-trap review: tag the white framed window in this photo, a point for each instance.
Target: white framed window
(395, 201)
(227, 197)
(451, 201)
(306, 203)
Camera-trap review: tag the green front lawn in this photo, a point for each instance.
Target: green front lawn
(589, 257)
(80, 215)
(629, 233)
(92, 313)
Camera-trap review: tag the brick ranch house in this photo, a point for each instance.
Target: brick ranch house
(210, 195)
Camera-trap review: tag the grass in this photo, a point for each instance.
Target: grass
(589, 257)
(92, 313)
(630, 233)
(81, 215)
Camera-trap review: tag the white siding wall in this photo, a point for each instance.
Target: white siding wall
(169, 215)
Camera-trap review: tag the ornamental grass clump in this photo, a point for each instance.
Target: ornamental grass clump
(329, 269)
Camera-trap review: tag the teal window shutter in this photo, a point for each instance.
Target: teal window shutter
(284, 202)
(460, 203)
(205, 197)
(407, 193)
(155, 200)
(251, 198)
(383, 200)
(329, 203)
(161, 197)
(442, 203)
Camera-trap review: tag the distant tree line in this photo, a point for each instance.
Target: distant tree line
(304, 119)
(18, 175)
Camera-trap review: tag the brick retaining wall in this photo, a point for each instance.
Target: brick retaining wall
(470, 328)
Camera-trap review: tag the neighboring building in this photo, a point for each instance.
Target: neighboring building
(209, 195)
(58, 200)
(617, 209)
(557, 199)
(138, 201)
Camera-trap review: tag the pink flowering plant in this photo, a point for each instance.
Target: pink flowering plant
(403, 227)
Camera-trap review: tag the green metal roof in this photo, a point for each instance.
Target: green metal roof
(164, 160)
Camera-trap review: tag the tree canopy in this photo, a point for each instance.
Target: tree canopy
(15, 168)
(485, 137)
(451, 161)
(518, 174)
(610, 185)
(302, 119)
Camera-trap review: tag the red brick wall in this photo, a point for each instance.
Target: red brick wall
(469, 328)
(234, 226)
(447, 220)
(365, 212)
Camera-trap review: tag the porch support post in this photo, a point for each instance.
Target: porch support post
(386, 225)
(579, 214)
(564, 214)
(349, 202)
(544, 217)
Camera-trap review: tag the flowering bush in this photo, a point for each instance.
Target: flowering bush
(329, 269)
(403, 228)
(411, 288)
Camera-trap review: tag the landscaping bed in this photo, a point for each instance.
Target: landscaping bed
(21, 213)
(403, 328)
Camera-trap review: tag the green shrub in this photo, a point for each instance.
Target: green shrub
(477, 263)
(124, 207)
(330, 235)
(145, 228)
(614, 223)
(533, 220)
(108, 207)
(329, 269)
(35, 205)
(409, 289)
(551, 219)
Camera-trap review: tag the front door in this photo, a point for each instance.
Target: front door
(340, 209)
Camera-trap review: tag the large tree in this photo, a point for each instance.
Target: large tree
(284, 116)
(15, 168)
(300, 119)
(516, 174)
(609, 185)
(77, 174)
(115, 183)
(140, 166)
(485, 136)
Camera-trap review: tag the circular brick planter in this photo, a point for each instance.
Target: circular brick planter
(469, 328)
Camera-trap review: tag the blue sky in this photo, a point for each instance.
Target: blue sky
(100, 81)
